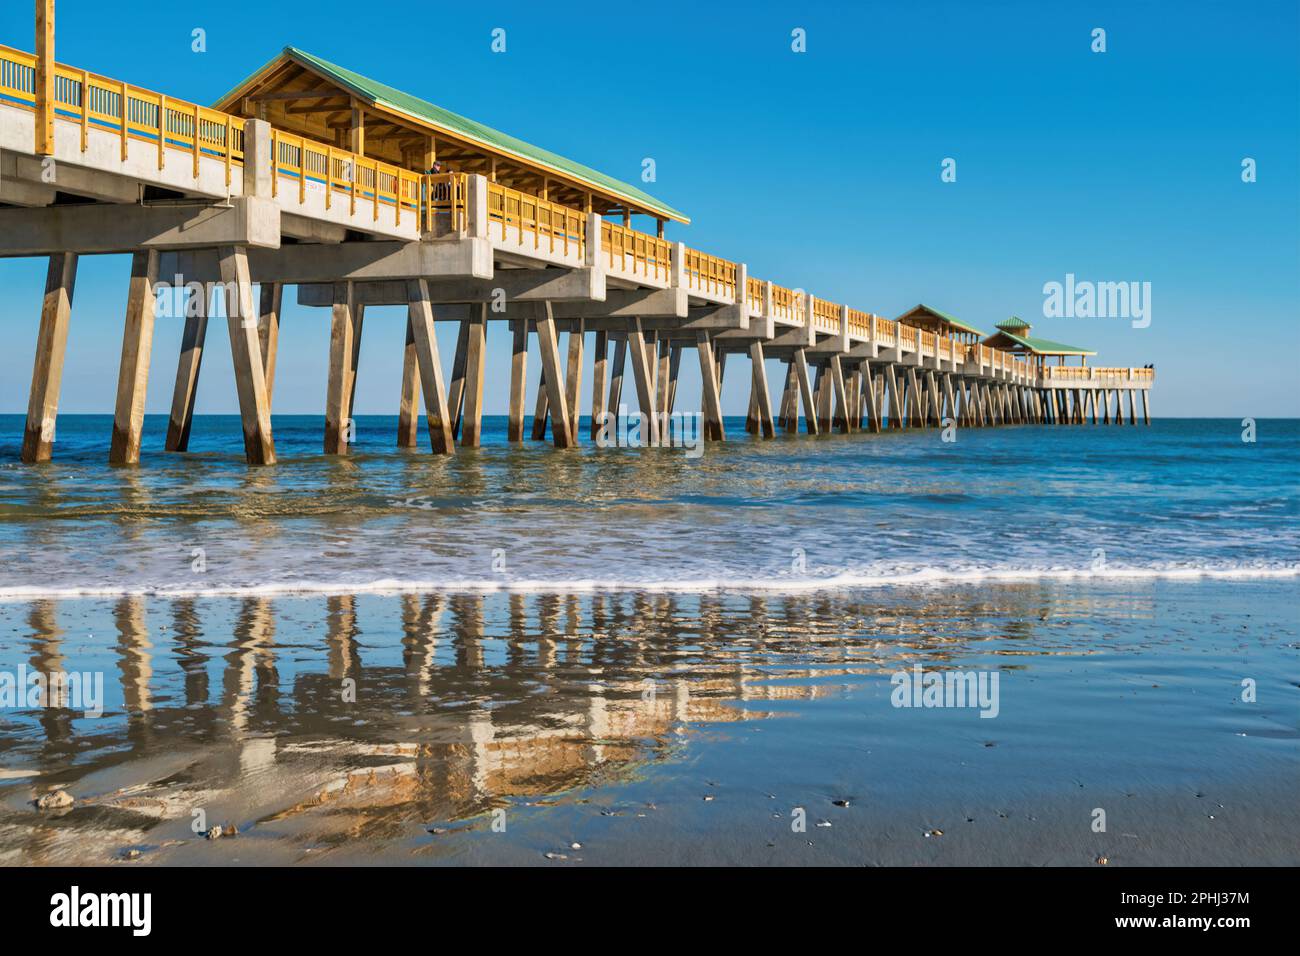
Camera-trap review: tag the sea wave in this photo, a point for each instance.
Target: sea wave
(845, 580)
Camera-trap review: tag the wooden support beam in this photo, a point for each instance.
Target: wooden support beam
(789, 420)
(872, 395)
(762, 397)
(344, 320)
(541, 410)
(616, 379)
(711, 397)
(420, 322)
(951, 399)
(674, 367)
(471, 431)
(642, 376)
(573, 377)
(268, 333)
(408, 404)
(133, 371)
(44, 80)
(662, 376)
(187, 371)
(547, 342)
(840, 419)
(47, 370)
(936, 400)
(456, 396)
(599, 383)
(800, 360)
(895, 403)
(518, 379)
(246, 353)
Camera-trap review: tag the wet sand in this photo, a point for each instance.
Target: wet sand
(658, 729)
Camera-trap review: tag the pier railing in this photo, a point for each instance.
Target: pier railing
(860, 323)
(446, 203)
(826, 316)
(344, 176)
(709, 274)
(535, 221)
(787, 304)
(1098, 375)
(98, 102)
(638, 253)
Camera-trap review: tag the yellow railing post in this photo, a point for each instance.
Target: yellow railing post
(125, 112)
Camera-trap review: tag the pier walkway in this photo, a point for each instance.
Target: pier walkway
(309, 175)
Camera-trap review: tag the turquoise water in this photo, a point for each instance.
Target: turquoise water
(1182, 496)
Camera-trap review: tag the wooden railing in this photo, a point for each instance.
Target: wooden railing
(446, 203)
(860, 324)
(885, 329)
(1098, 374)
(754, 294)
(787, 304)
(706, 273)
(928, 342)
(343, 175)
(558, 227)
(650, 256)
(100, 103)
(826, 316)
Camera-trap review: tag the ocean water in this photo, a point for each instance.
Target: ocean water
(1179, 497)
(625, 656)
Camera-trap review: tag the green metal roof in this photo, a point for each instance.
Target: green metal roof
(943, 315)
(381, 94)
(1044, 346)
(1012, 324)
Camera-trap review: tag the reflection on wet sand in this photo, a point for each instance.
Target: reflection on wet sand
(412, 711)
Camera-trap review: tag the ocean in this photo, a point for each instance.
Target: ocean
(637, 656)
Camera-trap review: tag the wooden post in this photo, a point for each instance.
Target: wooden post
(763, 399)
(573, 377)
(841, 419)
(661, 379)
(542, 409)
(133, 371)
(548, 344)
(472, 426)
(47, 371)
(714, 430)
(187, 372)
(518, 379)
(674, 366)
(790, 400)
(338, 395)
(800, 360)
(456, 397)
(873, 398)
(599, 382)
(268, 333)
(616, 379)
(45, 106)
(644, 383)
(408, 404)
(246, 353)
(824, 394)
(895, 402)
(420, 324)
(1146, 407)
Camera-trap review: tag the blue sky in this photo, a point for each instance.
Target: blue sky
(820, 170)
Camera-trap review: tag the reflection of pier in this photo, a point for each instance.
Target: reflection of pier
(462, 703)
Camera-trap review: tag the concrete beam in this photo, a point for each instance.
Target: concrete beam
(92, 229)
(370, 261)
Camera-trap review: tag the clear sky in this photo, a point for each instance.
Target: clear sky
(821, 170)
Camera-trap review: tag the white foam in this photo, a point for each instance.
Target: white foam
(849, 580)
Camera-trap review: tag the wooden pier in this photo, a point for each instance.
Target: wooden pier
(312, 176)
